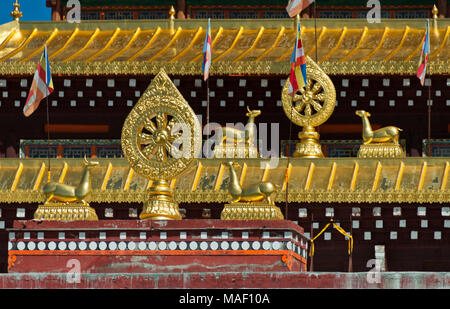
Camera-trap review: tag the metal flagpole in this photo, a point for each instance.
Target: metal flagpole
(315, 31)
(48, 142)
(429, 115)
(286, 176)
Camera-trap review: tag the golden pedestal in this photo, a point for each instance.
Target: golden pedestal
(309, 146)
(161, 205)
(254, 211)
(235, 151)
(65, 212)
(381, 150)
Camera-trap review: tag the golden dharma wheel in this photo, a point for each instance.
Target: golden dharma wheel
(312, 105)
(161, 136)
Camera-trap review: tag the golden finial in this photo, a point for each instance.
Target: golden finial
(172, 20)
(172, 12)
(435, 11)
(16, 14)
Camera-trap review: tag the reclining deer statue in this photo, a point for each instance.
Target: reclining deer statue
(66, 193)
(379, 136)
(247, 136)
(254, 193)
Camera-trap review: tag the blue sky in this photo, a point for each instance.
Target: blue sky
(33, 10)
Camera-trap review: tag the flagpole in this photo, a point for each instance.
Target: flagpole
(429, 113)
(315, 31)
(290, 136)
(48, 141)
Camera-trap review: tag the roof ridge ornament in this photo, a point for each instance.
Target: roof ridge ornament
(16, 14)
(311, 106)
(161, 138)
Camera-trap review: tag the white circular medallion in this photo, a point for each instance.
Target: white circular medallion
(224, 245)
(245, 245)
(92, 245)
(142, 245)
(41, 245)
(51, 245)
(256, 245)
(152, 245)
(72, 245)
(21, 245)
(62, 245)
(266, 245)
(235, 245)
(204, 245)
(172, 245)
(131, 245)
(182, 245)
(162, 245)
(276, 245)
(122, 245)
(10, 245)
(31, 245)
(112, 245)
(82, 245)
(193, 245)
(214, 245)
(102, 245)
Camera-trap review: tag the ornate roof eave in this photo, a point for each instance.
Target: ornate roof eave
(247, 47)
(220, 68)
(330, 180)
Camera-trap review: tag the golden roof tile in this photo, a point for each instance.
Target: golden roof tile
(343, 47)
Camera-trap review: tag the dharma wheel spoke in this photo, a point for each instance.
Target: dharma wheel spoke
(144, 138)
(149, 125)
(148, 150)
(175, 136)
(161, 120)
(319, 97)
(317, 107)
(299, 107)
(308, 110)
(160, 154)
(170, 125)
(316, 88)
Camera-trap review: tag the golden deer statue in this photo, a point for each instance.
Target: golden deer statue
(254, 193)
(382, 135)
(66, 193)
(247, 136)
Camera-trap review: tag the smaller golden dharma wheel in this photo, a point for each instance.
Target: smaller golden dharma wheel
(161, 137)
(311, 106)
(381, 143)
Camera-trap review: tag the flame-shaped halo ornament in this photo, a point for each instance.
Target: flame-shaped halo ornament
(310, 107)
(161, 137)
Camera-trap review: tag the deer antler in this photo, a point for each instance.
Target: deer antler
(248, 109)
(85, 160)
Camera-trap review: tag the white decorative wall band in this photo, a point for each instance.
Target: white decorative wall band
(156, 245)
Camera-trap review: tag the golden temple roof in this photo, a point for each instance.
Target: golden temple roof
(405, 180)
(257, 46)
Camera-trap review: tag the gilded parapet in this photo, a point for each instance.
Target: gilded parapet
(437, 67)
